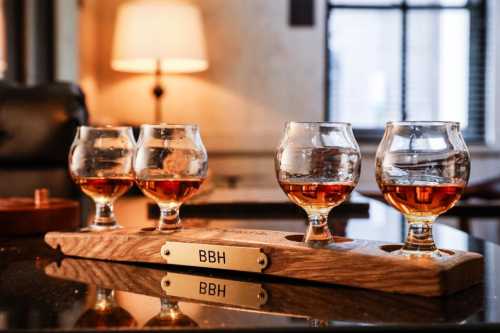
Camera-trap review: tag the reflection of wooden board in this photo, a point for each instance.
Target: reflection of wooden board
(21, 216)
(316, 301)
(355, 263)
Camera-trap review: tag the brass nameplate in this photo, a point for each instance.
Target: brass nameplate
(228, 292)
(238, 258)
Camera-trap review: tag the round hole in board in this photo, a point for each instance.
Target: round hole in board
(295, 238)
(148, 229)
(394, 247)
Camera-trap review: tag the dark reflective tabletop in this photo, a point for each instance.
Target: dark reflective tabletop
(41, 289)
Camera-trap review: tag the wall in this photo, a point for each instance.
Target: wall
(262, 73)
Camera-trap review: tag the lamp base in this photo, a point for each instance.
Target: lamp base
(158, 92)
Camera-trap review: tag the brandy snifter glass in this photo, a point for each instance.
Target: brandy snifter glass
(170, 165)
(318, 166)
(100, 162)
(422, 169)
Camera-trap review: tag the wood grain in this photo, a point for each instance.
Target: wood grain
(300, 300)
(355, 263)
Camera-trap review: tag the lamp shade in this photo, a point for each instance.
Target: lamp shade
(149, 32)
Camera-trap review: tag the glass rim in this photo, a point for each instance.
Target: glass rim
(422, 122)
(165, 125)
(104, 127)
(321, 123)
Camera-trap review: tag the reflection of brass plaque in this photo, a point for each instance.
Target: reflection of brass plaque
(238, 258)
(229, 292)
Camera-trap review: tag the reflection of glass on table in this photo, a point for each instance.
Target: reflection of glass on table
(105, 312)
(170, 315)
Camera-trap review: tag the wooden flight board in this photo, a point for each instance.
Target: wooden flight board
(355, 263)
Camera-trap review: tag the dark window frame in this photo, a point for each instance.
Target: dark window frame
(475, 132)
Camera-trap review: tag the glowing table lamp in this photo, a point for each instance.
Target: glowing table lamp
(159, 36)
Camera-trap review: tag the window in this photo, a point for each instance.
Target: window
(406, 60)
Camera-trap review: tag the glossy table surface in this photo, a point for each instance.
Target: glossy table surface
(41, 289)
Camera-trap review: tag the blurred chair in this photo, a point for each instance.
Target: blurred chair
(37, 125)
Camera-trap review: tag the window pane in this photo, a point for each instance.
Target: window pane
(438, 2)
(438, 65)
(365, 65)
(365, 2)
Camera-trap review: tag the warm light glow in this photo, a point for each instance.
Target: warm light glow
(150, 30)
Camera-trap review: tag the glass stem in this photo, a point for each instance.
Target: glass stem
(167, 305)
(104, 215)
(169, 218)
(419, 239)
(317, 231)
(169, 309)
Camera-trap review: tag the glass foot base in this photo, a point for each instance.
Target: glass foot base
(102, 227)
(319, 243)
(419, 254)
(169, 230)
